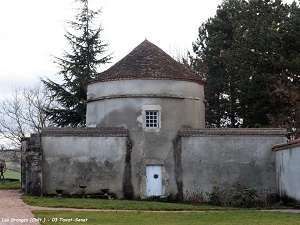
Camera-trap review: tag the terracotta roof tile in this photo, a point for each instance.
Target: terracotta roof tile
(147, 61)
(287, 145)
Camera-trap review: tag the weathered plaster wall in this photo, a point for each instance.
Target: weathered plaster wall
(194, 161)
(151, 87)
(288, 172)
(121, 104)
(227, 157)
(126, 112)
(148, 145)
(70, 161)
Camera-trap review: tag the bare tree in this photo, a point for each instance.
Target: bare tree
(23, 113)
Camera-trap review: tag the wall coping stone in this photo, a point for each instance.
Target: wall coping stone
(187, 132)
(85, 131)
(140, 96)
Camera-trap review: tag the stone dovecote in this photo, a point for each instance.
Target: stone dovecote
(145, 136)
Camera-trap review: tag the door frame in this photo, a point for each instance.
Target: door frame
(154, 180)
(143, 178)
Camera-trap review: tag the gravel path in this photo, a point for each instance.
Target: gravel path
(13, 210)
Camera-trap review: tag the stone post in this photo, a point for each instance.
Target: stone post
(34, 166)
(24, 149)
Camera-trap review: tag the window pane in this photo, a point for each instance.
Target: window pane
(151, 118)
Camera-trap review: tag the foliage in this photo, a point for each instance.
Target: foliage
(195, 197)
(219, 196)
(237, 196)
(245, 217)
(77, 66)
(245, 197)
(23, 113)
(249, 54)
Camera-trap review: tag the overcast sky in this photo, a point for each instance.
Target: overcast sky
(33, 30)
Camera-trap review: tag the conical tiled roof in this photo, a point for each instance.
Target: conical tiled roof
(149, 62)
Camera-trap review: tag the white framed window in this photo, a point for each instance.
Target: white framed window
(151, 117)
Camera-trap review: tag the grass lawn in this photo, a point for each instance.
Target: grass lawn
(11, 185)
(13, 166)
(88, 203)
(12, 174)
(143, 213)
(241, 217)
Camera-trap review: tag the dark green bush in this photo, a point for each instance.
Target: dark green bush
(236, 195)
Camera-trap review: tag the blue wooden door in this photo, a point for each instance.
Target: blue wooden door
(154, 180)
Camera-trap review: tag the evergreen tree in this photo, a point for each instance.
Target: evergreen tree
(250, 51)
(77, 66)
(213, 58)
(285, 92)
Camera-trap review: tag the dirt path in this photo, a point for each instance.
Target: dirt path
(13, 210)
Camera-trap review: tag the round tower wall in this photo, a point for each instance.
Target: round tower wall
(117, 103)
(125, 103)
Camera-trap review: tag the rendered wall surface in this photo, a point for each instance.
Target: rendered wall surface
(71, 161)
(226, 160)
(151, 87)
(121, 104)
(194, 161)
(288, 173)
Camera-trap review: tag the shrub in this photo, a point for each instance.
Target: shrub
(194, 197)
(236, 195)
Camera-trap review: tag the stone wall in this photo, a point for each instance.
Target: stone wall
(287, 157)
(226, 157)
(123, 103)
(31, 171)
(94, 158)
(109, 158)
(120, 103)
(71, 158)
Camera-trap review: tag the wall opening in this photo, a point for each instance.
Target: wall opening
(154, 181)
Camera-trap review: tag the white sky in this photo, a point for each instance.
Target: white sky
(33, 30)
